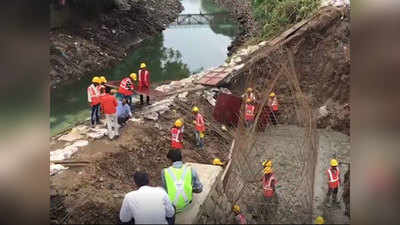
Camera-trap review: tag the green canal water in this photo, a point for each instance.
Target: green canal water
(176, 53)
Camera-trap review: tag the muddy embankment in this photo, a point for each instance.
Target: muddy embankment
(322, 55)
(241, 11)
(86, 39)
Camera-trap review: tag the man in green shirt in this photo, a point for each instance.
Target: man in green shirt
(180, 181)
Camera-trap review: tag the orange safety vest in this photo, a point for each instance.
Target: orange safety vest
(200, 126)
(241, 219)
(94, 94)
(144, 78)
(333, 177)
(268, 190)
(126, 87)
(274, 104)
(249, 113)
(176, 138)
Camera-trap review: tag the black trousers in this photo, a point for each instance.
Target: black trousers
(122, 120)
(332, 192)
(273, 116)
(147, 99)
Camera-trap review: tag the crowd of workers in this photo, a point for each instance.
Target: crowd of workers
(158, 205)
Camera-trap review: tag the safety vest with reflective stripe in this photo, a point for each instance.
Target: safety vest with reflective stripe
(274, 104)
(93, 93)
(179, 186)
(176, 136)
(144, 78)
(249, 113)
(333, 178)
(200, 126)
(268, 190)
(241, 219)
(126, 86)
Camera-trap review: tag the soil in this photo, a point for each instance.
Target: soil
(92, 46)
(322, 62)
(94, 193)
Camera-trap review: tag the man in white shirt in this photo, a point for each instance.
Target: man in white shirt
(147, 205)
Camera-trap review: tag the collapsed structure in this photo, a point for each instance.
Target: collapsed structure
(310, 55)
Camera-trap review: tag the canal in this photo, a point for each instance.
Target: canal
(178, 52)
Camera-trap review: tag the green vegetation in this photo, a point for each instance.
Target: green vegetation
(275, 16)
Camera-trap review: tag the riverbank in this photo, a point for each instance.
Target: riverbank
(92, 191)
(101, 43)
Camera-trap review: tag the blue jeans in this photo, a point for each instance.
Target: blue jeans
(199, 140)
(95, 115)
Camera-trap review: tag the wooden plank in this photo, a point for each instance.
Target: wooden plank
(290, 31)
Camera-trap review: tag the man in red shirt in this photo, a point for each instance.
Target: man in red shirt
(199, 126)
(144, 81)
(109, 105)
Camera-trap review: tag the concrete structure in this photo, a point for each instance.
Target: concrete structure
(208, 176)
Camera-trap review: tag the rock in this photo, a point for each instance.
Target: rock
(237, 59)
(323, 111)
(225, 90)
(73, 135)
(95, 135)
(210, 97)
(80, 143)
(151, 116)
(223, 127)
(56, 168)
(158, 126)
(62, 154)
(183, 96)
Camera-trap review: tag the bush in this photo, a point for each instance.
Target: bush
(275, 16)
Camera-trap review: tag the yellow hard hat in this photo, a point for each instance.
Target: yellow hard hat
(133, 76)
(267, 170)
(142, 65)
(96, 80)
(103, 79)
(217, 162)
(178, 123)
(267, 163)
(236, 209)
(319, 220)
(249, 89)
(272, 94)
(195, 109)
(334, 162)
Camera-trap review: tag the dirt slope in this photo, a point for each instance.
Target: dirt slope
(92, 46)
(94, 193)
(322, 60)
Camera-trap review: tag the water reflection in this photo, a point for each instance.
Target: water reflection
(172, 55)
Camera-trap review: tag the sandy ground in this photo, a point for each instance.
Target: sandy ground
(284, 146)
(332, 145)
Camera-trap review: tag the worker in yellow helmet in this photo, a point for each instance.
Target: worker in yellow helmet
(249, 94)
(200, 127)
(217, 162)
(177, 134)
(333, 181)
(269, 180)
(319, 220)
(126, 88)
(93, 93)
(239, 217)
(273, 106)
(102, 86)
(249, 113)
(144, 82)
